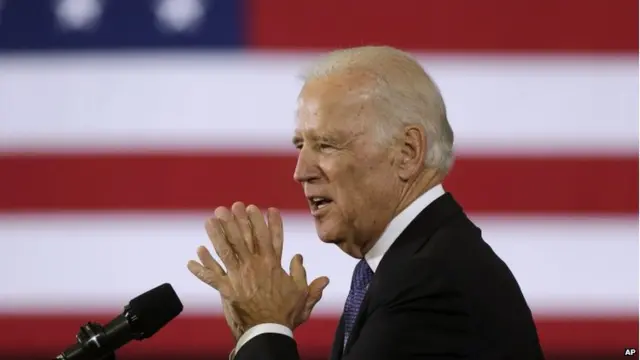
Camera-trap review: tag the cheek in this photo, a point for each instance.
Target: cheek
(376, 182)
(362, 185)
(356, 181)
(345, 182)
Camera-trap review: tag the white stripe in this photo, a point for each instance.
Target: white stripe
(78, 262)
(246, 101)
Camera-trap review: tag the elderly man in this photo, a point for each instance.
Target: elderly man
(374, 146)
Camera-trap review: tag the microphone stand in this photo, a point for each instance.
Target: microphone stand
(88, 337)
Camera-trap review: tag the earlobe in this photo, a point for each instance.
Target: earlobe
(405, 172)
(406, 168)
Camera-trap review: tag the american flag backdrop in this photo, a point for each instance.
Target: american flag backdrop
(124, 123)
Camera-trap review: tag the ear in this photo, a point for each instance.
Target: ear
(412, 151)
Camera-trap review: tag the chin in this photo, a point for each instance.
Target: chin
(327, 233)
(327, 238)
(349, 249)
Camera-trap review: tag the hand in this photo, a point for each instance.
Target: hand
(232, 319)
(256, 287)
(237, 329)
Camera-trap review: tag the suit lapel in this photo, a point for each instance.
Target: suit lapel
(409, 242)
(338, 341)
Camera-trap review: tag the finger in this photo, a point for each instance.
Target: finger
(316, 288)
(210, 278)
(298, 272)
(240, 213)
(232, 231)
(209, 262)
(261, 231)
(277, 233)
(220, 244)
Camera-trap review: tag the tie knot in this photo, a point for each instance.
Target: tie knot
(362, 275)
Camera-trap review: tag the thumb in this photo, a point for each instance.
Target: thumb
(298, 272)
(316, 289)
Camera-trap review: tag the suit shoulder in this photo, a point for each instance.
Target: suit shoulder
(459, 247)
(468, 263)
(457, 257)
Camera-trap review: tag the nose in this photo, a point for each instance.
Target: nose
(306, 167)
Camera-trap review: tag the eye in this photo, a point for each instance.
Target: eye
(324, 146)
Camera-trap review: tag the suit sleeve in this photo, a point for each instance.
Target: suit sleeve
(269, 346)
(257, 331)
(425, 318)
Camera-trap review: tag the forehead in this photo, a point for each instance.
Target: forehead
(332, 106)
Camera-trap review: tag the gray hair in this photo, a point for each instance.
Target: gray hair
(402, 93)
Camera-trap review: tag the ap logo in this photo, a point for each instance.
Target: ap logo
(630, 352)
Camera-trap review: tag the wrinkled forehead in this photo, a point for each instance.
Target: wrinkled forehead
(326, 105)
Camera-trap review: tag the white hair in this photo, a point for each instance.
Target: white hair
(402, 94)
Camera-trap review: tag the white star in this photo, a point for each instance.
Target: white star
(78, 15)
(179, 15)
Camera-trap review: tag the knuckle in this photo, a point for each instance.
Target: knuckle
(248, 271)
(225, 253)
(227, 256)
(245, 224)
(270, 263)
(206, 277)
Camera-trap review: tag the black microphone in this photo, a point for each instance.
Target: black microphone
(143, 317)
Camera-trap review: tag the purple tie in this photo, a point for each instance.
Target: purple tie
(362, 276)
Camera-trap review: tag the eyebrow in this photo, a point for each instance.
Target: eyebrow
(335, 137)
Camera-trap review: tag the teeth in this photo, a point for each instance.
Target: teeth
(319, 202)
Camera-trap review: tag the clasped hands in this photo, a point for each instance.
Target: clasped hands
(254, 288)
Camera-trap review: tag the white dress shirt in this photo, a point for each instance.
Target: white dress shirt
(373, 256)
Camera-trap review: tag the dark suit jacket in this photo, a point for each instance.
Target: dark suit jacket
(440, 292)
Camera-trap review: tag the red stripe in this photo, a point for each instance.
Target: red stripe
(200, 182)
(199, 336)
(448, 25)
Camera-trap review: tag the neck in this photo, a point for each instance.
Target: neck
(423, 183)
(413, 189)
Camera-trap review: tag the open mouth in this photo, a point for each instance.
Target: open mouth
(318, 202)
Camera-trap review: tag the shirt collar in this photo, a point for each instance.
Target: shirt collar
(399, 223)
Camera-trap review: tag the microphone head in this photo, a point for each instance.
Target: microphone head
(149, 312)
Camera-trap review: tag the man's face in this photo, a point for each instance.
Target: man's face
(348, 178)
